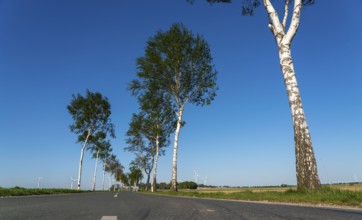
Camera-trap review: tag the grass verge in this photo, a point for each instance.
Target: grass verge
(19, 191)
(326, 196)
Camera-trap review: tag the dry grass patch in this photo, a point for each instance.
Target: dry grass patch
(348, 187)
(236, 190)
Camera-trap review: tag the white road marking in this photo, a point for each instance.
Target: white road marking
(116, 195)
(109, 218)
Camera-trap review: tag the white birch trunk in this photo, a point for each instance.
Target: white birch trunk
(154, 181)
(81, 159)
(110, 183)
(95, 172)
(104, 173)
(175, 149)
(306, 166)
(148, 179)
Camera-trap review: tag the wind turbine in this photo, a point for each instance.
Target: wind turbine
(39, 178)
(196, 175)
(355, 178)
(204, 179)
(71, 182)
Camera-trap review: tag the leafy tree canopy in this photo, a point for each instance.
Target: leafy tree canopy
(91, 114)
(114, 167)
(248, 6)
(178, 64)
(187, 185)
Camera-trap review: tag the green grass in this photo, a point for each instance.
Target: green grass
(19, 191)
(326, 196)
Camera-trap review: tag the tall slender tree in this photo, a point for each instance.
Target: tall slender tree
(160, 121)
(153, 125)
(91, 115)
(135, 176)
(101, 148)
(114, 167)
(147, 137)
(179, 64)
(104, 155)
(284, 32)
(143, 162)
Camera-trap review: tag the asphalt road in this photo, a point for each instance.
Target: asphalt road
(128, 205)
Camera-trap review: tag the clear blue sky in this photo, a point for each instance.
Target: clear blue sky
(50, 50)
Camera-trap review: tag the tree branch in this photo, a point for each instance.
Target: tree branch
(294, 23)
(274, 24)
(286, 11)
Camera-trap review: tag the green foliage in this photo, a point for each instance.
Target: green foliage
(146, 129)
(113, 166)
(326, 196)
(91, 115)
(163, 185)
(179, 65)
(102, 146)
(135, 175)
(176, 69)
(124, 179)
(92, 124)
(20, 191)
(147, 132)
(248, 6)
(187, 185)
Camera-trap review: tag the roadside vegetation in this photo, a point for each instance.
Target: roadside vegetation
(20, 191)
(326, 196)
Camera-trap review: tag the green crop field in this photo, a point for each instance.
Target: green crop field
(340, 195)
(19, 191)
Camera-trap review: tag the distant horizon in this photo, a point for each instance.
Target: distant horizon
(203, 186)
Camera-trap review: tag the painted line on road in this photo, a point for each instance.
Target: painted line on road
(109, 218)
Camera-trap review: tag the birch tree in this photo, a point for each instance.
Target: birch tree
(179, 64)
(104, 154)
(114, 167)
(161, 123)
(135, 176)
(101, 149)
(145, 163)
(91, 115)
(154, 124)
(284, 29)
(147, 137)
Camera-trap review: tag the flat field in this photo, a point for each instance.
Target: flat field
(347, 187)
(340, 195)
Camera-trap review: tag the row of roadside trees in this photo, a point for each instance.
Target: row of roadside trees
(92, 124)
(177, 69)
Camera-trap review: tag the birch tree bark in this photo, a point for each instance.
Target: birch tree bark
(306, 165)
(95, 172)
(148, 180)
(175, 149)
(104, 173)
(154, 180)
(81, 159)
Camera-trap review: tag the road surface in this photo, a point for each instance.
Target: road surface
(128, 205)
